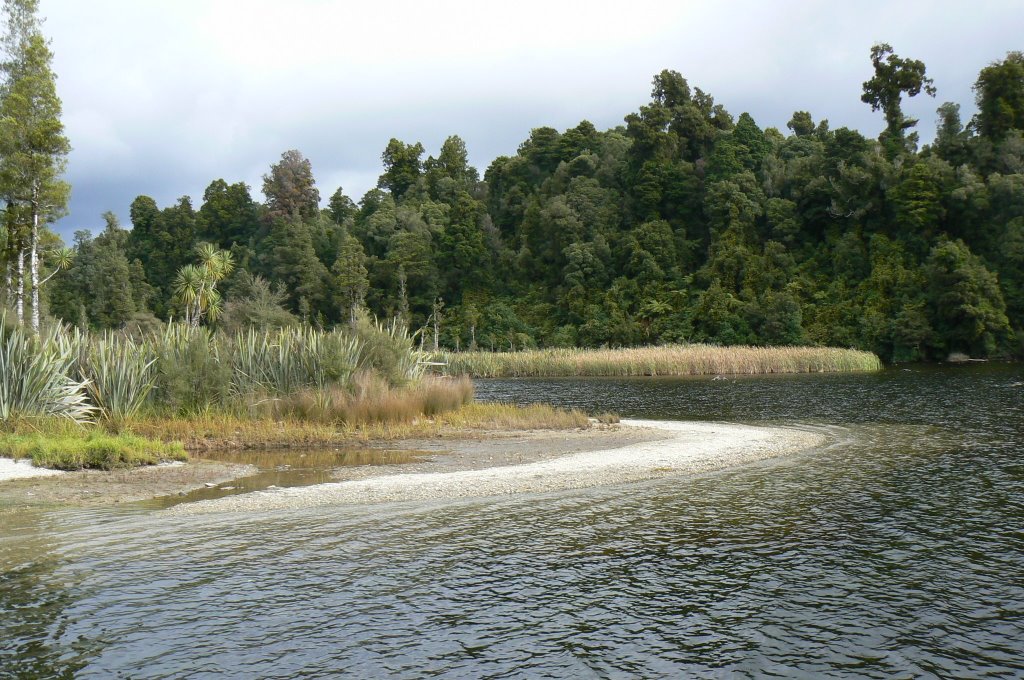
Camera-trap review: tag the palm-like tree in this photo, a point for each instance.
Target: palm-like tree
(196, 285)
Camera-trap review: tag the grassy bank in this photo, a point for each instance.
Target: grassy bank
(77, 450)
(664, 360)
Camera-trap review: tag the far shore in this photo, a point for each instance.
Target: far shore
(650, 449)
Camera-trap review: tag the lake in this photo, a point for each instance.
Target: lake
(896, 550)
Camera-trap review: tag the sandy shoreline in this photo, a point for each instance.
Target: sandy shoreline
(667, 448)
(23, 469)
(93, 488)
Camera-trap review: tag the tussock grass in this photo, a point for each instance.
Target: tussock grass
(499, 416)
(119, 374)
(373, 400)
(669, 360)
(95, 449)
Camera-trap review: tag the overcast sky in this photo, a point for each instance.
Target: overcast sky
(163, 96)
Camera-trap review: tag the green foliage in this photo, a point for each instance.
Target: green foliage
(894, 77)
(36, 376)
(290, 188)
(93, 450)
(350, 270)
(228, 215)
(388, 350)
(967, 304)
(289, 360)
(999, 93)
(191, 378)
(677, 226)
(254, 303)
(402, 167)
(101, 288)
(120, 372)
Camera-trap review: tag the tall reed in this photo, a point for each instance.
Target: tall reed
(697, 359)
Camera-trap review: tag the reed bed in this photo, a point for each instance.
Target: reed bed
(668, 360)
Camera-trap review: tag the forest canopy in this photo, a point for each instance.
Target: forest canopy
(684, 224)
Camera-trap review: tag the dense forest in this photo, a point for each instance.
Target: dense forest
(682, 224)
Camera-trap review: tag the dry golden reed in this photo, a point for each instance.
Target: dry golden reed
(667, 360)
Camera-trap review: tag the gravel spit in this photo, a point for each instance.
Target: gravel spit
(689, 448)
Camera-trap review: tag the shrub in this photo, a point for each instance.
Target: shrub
(190, 376)
(388, 349)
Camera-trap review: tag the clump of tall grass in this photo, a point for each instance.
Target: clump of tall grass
(288, 360)
(389, 350)
(93, 450)
(119, 374)
(668, 360)
(36, 376)
(499, 416)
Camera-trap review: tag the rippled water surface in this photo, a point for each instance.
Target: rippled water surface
(897, 550)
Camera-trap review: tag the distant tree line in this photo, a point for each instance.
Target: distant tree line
(683, 224)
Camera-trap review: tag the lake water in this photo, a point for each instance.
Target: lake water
(897, 550)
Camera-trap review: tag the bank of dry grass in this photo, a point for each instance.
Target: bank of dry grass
(229, 431)
(371, 399)
(668, 360)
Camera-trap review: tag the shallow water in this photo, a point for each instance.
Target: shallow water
(895, 551)
(284, 468)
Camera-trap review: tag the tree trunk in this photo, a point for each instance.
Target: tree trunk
(19, 287)
(34, 265)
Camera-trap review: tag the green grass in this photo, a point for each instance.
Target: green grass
(92, 449)
(664, 360)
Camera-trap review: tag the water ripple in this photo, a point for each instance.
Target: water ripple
(897, 550)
